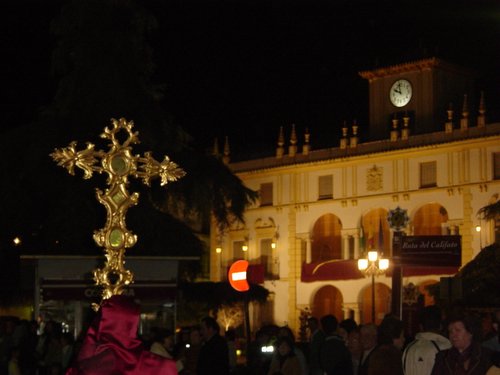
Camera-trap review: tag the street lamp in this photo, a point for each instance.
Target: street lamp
(478, 230)
(373, 265)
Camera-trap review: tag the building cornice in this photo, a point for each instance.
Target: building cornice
(412, 66)
(416, 142)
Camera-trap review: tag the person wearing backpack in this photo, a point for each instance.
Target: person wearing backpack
(419, 355)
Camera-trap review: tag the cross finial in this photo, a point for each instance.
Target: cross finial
(119, 164)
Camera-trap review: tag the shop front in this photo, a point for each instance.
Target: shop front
(64, 290)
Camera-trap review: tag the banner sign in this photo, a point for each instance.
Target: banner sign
(86, 291)
(431, 251)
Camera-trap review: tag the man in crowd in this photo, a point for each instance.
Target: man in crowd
(368, 339)
(213, 357)
(335, 358)
(316, 339)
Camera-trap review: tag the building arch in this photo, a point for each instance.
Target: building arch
(428, 220)
(376, 231)
(428, 298)
(382, 303)
(326, 238)
(327, 300)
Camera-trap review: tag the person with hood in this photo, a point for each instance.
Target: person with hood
(419, 355)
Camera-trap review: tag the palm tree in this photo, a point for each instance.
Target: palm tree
(491, 212)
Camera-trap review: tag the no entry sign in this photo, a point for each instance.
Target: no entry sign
(237, 276)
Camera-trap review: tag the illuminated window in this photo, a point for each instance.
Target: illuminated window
(266, 194)
(496, 166)
(428, 174)
(325, 187)
(267, 258)
(238, 252)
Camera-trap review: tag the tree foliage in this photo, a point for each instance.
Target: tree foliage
(480, 278)
(215, 294)
(104, 68)
(491, 211)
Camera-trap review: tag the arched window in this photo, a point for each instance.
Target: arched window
(326, 239)
(428, 219)
(376, 232)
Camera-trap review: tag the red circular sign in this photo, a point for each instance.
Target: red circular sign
(237, 275)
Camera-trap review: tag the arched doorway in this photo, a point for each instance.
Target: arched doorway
(326, 244)
(328, 300)
(422, 288)
(382, 303)
(428, 219)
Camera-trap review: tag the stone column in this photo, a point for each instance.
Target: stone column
(308, 250)
(345, 247)
(356, 245)
(357, 313)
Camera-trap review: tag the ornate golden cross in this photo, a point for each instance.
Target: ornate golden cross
(119, 164)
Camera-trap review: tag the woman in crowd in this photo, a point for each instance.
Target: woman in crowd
(285, 331)
(466, 356)
(163, 343)
(191, 353)
(285, 362)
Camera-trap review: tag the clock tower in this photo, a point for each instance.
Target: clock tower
(421, 90)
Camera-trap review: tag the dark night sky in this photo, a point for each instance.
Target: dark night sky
(243, 68)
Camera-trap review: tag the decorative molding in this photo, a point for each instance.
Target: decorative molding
(374, 178)
(262, 223)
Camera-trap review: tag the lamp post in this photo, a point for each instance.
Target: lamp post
(373, 265)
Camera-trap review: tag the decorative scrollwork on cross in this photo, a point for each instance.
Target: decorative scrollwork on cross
(118, 163)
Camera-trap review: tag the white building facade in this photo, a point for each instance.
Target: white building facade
(321, 210)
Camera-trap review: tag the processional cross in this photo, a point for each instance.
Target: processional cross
(119, 164)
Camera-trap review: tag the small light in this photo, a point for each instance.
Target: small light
(383, 264)
(218, 250)
(238, 352)
(267, 349)
(273, 245)
(244, 247)
(362, 264)
(372, 256)
(17, 241)
(478, 228)
(188, 346)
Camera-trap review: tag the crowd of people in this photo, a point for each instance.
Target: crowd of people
(456, 345)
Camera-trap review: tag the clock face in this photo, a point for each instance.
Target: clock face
(400, 94)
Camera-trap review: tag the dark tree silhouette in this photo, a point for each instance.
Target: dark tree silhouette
(104, 69)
